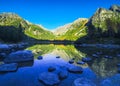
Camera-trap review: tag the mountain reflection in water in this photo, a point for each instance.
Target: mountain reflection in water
(101, 70)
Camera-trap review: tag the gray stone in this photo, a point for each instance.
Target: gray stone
(19, 56)
(118, 64)
(118, 70)
(109, 57)
(118, 55)
(86, 59)
(80, 62)
(63, 74)
(3, 55)
(83, 82)
(4, 47)
(111, 81)
(49, 79)
(51, 68)
(57, 56)
(99, 53)
(106, 82)
(71, 61)
(20, 46)
(75, 69)
(40, 57)
(95, 55)
(8, 67)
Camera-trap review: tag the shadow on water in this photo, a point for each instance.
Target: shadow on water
(101, 70)
(104, 61)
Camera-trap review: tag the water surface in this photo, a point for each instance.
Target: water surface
(101, 71)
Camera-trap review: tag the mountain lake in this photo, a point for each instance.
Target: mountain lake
(71, 66)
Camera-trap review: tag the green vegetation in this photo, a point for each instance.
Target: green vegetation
(14, 29)
(77, 30)
(38, 32)
(10, 33)
(41, 49)
(11, 19)
(67, 52)
(102, 27)
(105, 23)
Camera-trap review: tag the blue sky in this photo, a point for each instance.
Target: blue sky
(54, 13)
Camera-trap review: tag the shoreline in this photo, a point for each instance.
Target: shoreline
(100, 45)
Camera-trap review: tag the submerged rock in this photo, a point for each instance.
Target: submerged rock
(75, 69)
(51, 68)
(106, 82)
(109, 57)
(57, 56)
(83, 82)
(71, 61)
(118, 64)
(111, 81)
(95, 55)
(4, 48)
(40, 57)
(118, 55)
(99, 53)
(21, 46)
(19, 56)
(80, 62)
(118, 70)
(8, 67)
(2, 55)
(63, 74)
(49, 79)
(86, 59)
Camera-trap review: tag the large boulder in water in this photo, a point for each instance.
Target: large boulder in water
(8, 67)
(19, 56)
(63, 74)
(4, 48)
(2, 55)
(83, 82)
(111, 81)
(51, 68)
(49, 79)
(75, 69)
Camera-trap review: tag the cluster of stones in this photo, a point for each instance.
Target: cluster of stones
(11, 57)
(50, 77)
(54, 76)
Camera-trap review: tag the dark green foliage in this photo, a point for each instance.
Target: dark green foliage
(11, 33)
(113, 26)
(59, 50)
(111, 29)
(14, 29)
(39, 33)
(103, 27)
(105, 23)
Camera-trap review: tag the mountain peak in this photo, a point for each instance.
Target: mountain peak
(70, 26)
(62, 29)
(9, 14)
(79, 20)
(115, 8)
(101, 11)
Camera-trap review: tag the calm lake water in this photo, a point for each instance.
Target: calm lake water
(102, 71)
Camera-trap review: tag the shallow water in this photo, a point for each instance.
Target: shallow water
(101, 71)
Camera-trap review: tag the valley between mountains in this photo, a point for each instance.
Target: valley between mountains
(102, 27)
